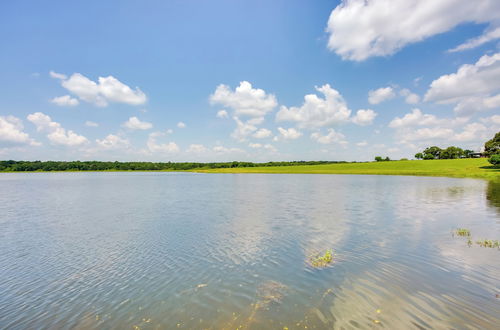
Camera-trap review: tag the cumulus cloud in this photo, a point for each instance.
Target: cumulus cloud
(474, 87)
(416, 117)
(495, 119)
(243, 129)
(409, 129)
(65, 100)
(255, 145)
(245, 100)
(100, 93)
(364, 117)
(380, 95)
(113, 142)
(89, 123)
(11, 133)
(289, 134)
(331, 137)
(410, 98)
(262, 133)
(360, 29)
(197, 148)
(487, 36)
(181, 125)
(55, 133)
(362, 144)
(222, 114)
(134, 123)
(316, 111)
(250, 106)
(224, 150)
(154, 146)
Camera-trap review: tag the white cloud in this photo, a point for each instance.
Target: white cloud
(56, 134)
(255, 145)
(380, 95)
(262, 133)
(410, 98)
(362, 144)
(289, 134)
(113, 142)
(471, 87)
(416, 117)
(107, 89)
(487, 36)
(244, 100)
(181, 125)
(495, 119)
(364, 117)
(57, 75)
(331, 137)
(89, 123)
(153, 146)
(270, 147)
(224, 150)
(222, 114)
(317, 112)
(65, 100)
(242, 130)
(360, 29)
(134, 123)
(11, 132)
(197, 148)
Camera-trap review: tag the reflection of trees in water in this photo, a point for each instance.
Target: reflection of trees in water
(493, 193)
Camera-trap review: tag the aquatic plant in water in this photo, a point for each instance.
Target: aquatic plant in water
(321, 261)
(489, 243)
(462, 232)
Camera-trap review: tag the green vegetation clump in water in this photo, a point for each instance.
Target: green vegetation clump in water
(462, 232)
(489, 243)
(321, 261)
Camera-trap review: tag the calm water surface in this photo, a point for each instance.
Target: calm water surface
(220, 251)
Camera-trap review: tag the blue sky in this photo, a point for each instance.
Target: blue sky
(246, 80)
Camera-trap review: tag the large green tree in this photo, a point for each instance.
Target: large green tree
(432, 152)
(492, 146)
(451, 153)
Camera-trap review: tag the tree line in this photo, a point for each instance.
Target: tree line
(30, 166)
(447, 153)
(491, 150)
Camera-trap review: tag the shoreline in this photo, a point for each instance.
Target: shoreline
(475, 168)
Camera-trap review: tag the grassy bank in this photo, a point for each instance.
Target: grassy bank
(461, 168)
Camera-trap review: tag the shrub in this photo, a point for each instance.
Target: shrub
(495, 159)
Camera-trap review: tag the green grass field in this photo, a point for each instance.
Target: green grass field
(460, 168)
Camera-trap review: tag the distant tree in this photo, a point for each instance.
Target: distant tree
(379, 159)
(433, 151)
(495, 159)
(404, 159)
(419, 155)
(451, 153)
(387, 159)
(492, 146)
(467, 153)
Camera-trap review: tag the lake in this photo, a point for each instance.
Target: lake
(160, 250)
